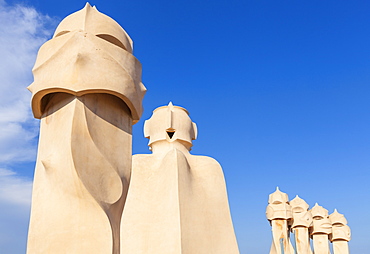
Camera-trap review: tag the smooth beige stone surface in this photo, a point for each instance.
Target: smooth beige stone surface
(321, 223)
(321, 228)
(278, 207)
(341, 233)
(295, 216)
(94, 22)
(302, 220)
(170, 119)
(321, 243)
(302, 240)
(89, 53)
(301, 216)
(340, 247)
(177, 202)
(87, 92)
(340, 230)
(281, 240)
(82, 174)
(279, 213)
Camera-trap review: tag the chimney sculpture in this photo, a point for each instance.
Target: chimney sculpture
(279, 213)
(302, 221)
(305, 223)
(177, 202)
(321, 229)
(341, 233)
(87, 91)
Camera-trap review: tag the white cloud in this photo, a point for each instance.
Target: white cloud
(22, 31)
(14, 189)
(15, 201)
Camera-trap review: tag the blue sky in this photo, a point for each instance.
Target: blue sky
(279, 91)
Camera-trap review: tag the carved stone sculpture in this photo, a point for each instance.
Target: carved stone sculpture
(341, 233)
(279, 213)
(177, 202)
(87, 91)
(302, 221)
(321, 229)
(305, 223)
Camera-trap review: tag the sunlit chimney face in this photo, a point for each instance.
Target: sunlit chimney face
(91, 21)
(170, 123)
(278, 197)
(96, 55)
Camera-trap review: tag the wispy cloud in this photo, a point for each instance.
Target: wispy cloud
(22, 31)
(15, 201)
(15, 189)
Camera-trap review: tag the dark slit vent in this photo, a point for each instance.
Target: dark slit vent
(112, 40)
(170, 134)
(61, 33)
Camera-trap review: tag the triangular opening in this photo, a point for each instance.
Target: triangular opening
(170, 134)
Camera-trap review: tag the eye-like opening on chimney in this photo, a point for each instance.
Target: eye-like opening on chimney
(112, 39)
(170, 132)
